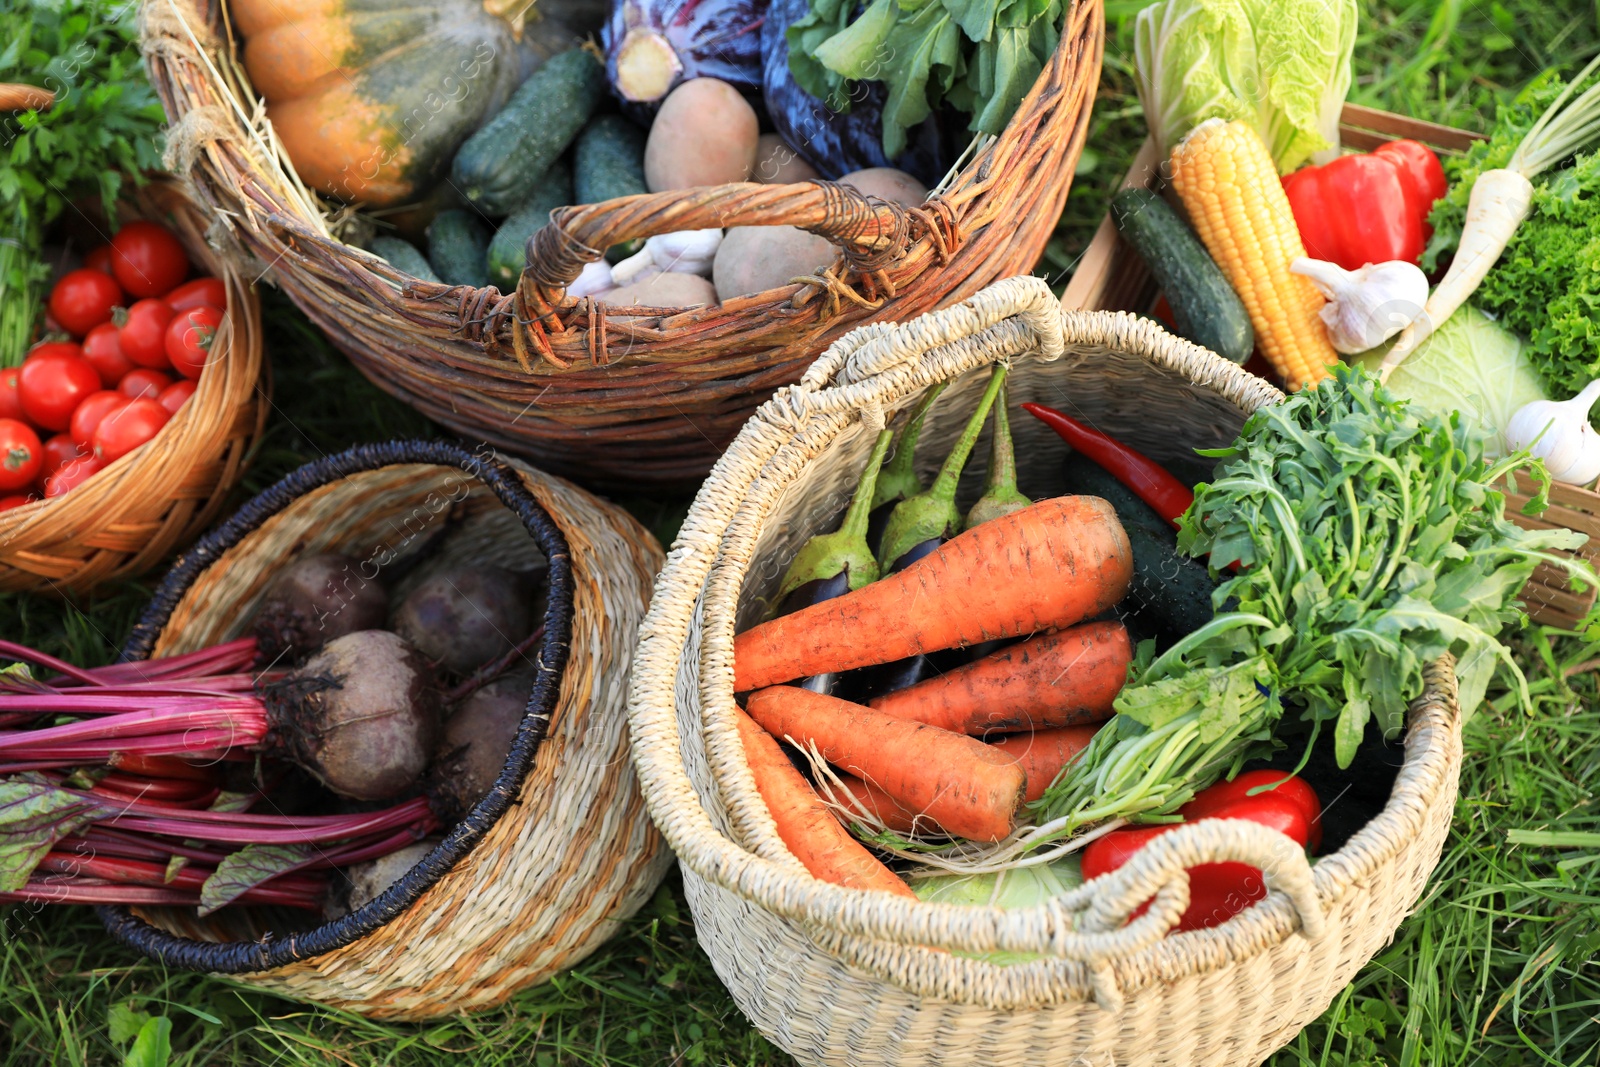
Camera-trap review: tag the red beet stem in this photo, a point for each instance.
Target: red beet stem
(161, 767)
(228, 657)
(231, 722)
(163, 789)
(43, 659)
(56, 889)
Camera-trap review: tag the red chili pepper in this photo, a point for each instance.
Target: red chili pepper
(1369, 208)
(1148, 479)
(1217, 891)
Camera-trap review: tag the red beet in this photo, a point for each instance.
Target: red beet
(462, 616)
(317, 599)
(477, 739)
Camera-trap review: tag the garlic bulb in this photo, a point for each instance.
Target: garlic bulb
(595, 278)
(683, 252)
(1366, 307)
(1569, 446)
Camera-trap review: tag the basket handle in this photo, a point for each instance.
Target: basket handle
(874, 233)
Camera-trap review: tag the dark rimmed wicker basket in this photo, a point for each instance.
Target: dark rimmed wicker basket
(471, 929)
(647, 401)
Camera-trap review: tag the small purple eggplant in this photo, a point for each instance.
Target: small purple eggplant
(652, 45)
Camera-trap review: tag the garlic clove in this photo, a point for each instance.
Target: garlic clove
(595, 278)
(1558, 432)
(1366, 307)
(685, 251)
(634, 267)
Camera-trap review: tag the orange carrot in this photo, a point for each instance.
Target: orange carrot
(1060, 679)
(1043, 753)
(893, 814)
(964, 785)
(818, 841)
(1045, 567)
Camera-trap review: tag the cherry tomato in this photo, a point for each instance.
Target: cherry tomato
(199, 292)
(54, 348)
(98, 259)
(175, 395)
(103, 347)
(83, 299)
(15, 500)
(189, 338)
(143, 382)
(58, 452)
(72, 475)
(127, 428)
(52, 385)
(20, 454)
(10, 402)
(147, 259)
(90, 413)
(142, 331)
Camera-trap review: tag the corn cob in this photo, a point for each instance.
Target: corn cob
(1224, 175)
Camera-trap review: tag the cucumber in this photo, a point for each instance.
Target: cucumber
(608, 160)
(403, 256)
(1170, 591)
(457, 244)
(1205, 308)
(1086, 477)
(499, 167)
(508, 251)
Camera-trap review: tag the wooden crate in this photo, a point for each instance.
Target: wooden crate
(1111, 276)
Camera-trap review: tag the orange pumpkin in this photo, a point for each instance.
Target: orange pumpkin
(371, 98)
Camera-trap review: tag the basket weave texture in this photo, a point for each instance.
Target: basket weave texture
(648, 400)
(573, 852)
(837, 976)
(132, 515)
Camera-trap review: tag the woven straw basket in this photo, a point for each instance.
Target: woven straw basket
(838, 976)
(652, 399)
(538, 874)
(130, 516)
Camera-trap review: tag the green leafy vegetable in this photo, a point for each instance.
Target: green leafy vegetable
(1017, 887)
(980, 56)
(103, 126)
(1371, 539)
(1472, 365)
(1281, 65)
(247, 868)
(34, 815)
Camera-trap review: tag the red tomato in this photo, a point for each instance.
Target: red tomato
(71, 476)
(10, 402)
(189, 338)
(83, 299)
(15, 500)
(127, 428)
(20, 454)
(143, 382)
(201, 292)
(147, 259)
(54, 348)
(142, 331)
(176, 395)
(58, 452)
(52, 385)
(91, 413)
(103, 348)
(98, 259)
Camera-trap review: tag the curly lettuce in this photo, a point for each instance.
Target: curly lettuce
(1281, 65)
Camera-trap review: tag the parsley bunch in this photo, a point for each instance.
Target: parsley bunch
(104, 125)
(1370, 539)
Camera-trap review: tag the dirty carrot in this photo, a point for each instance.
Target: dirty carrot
(962, 784)
(1045, 567)
(860, 794)
(1059, 679)
(806, 826)
(1043, 753)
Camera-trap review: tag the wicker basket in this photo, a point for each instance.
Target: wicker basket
(1111, 276)
(538, 874)
(130, 516)
(649, 400)
(838, 976)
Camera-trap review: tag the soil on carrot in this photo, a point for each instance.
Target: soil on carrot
(1497, 966)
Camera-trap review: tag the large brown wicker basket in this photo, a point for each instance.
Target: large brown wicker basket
(130, 516)
(649, 400)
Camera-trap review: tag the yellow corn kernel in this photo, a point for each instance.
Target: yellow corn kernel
(1225, 177)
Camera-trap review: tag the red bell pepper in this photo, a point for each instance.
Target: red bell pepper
(1219, 891)
(1369, 208)
(1147, 479)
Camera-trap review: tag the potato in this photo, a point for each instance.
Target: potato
(704, 134)
(667, 289)
(895, 186)
(753, 259)
(778, 164)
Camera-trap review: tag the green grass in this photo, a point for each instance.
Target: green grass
(1496, 967)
